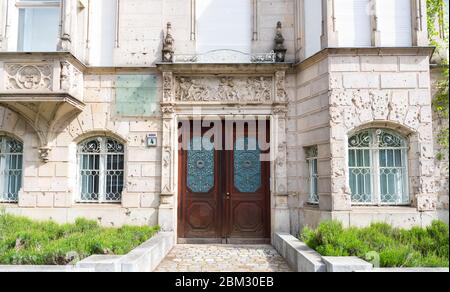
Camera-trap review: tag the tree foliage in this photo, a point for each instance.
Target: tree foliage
(438, 31)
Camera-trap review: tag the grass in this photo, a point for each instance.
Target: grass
(382, 244)
(27, 242)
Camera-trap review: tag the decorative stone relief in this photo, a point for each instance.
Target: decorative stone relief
(280, 86)
(224, 89)
(380, 103)
(25, 76)
(168, 86)
(69, 77)
(44, 154)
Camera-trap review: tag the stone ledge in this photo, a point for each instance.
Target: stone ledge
(299, 256)
(144, 258)
(346, 264)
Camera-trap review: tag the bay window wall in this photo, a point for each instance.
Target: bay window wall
(37, 25)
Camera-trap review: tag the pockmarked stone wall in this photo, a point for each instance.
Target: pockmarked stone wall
(341, 92)
(50, 190)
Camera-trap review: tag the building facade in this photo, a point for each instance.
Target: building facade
(100, 100)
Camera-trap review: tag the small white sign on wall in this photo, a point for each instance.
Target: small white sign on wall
(152, 140)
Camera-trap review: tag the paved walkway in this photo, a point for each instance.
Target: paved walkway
(223, 258)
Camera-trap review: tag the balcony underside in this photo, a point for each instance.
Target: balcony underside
(47, 113)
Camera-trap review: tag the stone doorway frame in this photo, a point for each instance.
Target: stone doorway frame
(174, 111)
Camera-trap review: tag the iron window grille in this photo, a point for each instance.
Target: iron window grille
(313, 178)
(101, 170)
(11, 168)
(378, 168)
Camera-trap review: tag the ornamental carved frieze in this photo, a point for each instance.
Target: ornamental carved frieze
(29, 76)
(224, 89)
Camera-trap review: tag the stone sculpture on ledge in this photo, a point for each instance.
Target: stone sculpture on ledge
(280, 50)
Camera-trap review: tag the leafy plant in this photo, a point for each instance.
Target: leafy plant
(388, 246)
(438, 31)
(26, 242)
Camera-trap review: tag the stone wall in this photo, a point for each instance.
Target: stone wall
(309, 126)
(142, 24)
(344, 91)
(50, 190)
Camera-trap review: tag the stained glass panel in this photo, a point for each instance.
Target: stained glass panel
(200, 165)
(247, 165)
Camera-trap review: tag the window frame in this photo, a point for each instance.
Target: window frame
(24, 4)
(313, 175)
(103, 160)
(3, 139)
(375, 168)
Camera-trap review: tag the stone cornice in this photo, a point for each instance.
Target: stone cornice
(41, 97)
(375, 51)
(42, 56)
(235, 68)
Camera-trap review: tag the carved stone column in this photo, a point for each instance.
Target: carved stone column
(419, 12)
(167, 212)
(329, 33)
(279, 187)
(65, 25)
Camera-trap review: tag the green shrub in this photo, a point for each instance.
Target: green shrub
(26, 242)
(417, 247)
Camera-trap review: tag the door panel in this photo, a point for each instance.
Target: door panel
(247, 203)
(224, 195)
(200, 207)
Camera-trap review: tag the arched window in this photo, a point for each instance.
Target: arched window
(11, 167)
(101, 169)
(378, 168)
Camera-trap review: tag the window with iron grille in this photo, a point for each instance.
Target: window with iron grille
(11, 168)
(101, 175)
(378, 168)
(313, 178)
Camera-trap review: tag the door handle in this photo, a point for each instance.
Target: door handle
(227, 196)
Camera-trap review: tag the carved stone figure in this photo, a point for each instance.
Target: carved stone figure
(226, 90)
(280, 50)
(259, 88)
(65, 76)
(280, 78)
(168, 48)
(168, 86)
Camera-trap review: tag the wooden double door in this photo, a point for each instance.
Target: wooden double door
(224, 186)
